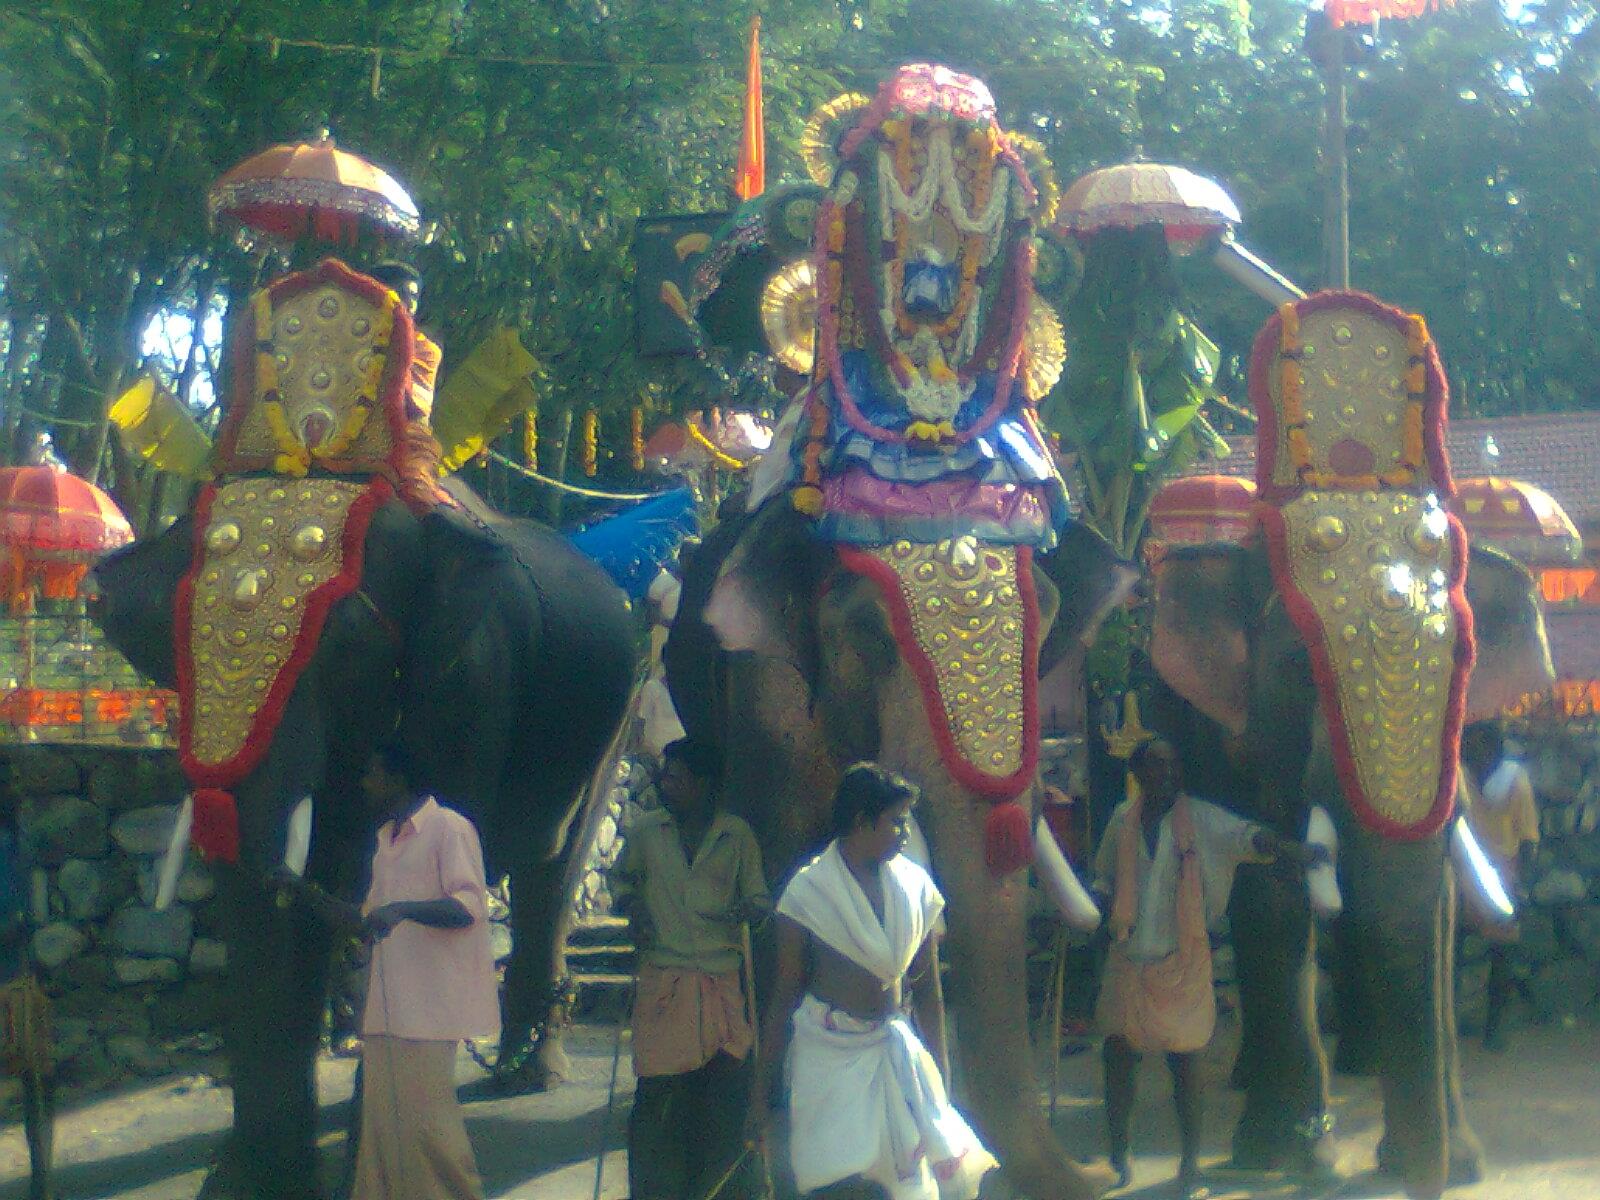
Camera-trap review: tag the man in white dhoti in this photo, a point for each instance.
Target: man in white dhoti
(867, 1103)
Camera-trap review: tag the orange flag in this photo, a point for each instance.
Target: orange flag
(750, 176)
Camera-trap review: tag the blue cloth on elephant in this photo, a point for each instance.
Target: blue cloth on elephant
(1000, 486)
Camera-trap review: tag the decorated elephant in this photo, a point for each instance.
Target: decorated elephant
(306, 614)
(1335, 656)
(904, 566)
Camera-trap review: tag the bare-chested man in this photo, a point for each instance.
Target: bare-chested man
(855, 935)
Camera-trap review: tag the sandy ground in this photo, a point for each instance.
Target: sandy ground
(1537, 1108)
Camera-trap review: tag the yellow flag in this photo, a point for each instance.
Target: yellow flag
(481, 396)
(157, 426)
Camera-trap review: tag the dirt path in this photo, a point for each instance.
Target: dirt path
(1537, 1108)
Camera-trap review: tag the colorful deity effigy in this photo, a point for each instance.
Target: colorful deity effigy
(916, 446)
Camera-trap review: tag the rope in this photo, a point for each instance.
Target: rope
(529, 473)
(53, 419)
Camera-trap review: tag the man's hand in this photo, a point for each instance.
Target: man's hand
(748, 912)
(758, 1120)
(381, 921)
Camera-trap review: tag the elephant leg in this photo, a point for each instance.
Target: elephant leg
(1282, 1069)
(1395, 900)
(1466, 1163)
(540, 923)
(277, 967)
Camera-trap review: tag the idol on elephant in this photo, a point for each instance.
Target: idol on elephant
(905, 566)
(1335, 656)
(314, 605)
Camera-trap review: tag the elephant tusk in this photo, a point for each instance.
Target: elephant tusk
(177, 850)
(297, 845)
(1474, 865)
(1061, 881)
(1323, 881)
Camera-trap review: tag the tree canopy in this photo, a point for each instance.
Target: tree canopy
(534, 133)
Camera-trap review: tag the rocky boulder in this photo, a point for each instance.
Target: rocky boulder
(146, 933)
(62, 827)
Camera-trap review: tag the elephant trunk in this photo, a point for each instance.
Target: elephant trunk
(987, 988)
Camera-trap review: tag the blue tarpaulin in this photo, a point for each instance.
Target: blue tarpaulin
(634, 545)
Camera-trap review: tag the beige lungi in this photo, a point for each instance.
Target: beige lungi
(413, 1141)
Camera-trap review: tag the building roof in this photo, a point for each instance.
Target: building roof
(1559, 452)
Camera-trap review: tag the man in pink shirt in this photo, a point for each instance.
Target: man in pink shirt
(432, 984)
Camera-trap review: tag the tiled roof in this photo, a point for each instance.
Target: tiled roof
(1559, 452)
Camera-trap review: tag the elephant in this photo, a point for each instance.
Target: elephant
(788, 659)
(503, 659)
(1256, 738)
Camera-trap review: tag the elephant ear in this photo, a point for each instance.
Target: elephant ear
(1513, 659)
(694, 661)
(1205, 602)
(1091, 580)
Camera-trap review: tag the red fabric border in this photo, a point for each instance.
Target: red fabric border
(318, 604)
(391, 392)
(994, 788)
(1309, 626)
(1434, 410)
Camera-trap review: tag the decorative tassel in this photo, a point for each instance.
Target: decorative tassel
(530, 439)
(636, 436)
(808, 500)
(1007, 840)
(215, 832)
(591, 443)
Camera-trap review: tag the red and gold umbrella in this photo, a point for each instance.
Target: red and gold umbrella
(53, 525)
(1189, 206)
(1517, 518)
(313, 189)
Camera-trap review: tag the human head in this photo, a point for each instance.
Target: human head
(1482, 746)
(388, 781)
(872, 811)
(689, 773)
(402, 279)
(1155, 765)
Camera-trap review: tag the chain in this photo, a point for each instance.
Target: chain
(563, 995)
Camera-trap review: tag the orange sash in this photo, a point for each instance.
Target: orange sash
(1166, 1006)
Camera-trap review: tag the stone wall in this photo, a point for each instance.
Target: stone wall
(1558, 957)
(136, 991)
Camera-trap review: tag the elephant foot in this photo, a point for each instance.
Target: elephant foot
(1467, 1166)
(227, 1180)
(1307, 1151)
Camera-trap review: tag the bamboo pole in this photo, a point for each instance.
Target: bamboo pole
(1336, 163)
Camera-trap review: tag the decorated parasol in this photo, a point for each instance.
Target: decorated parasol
(1518, 519)
(53, 525)
(1188, 206)
(1200, 509)
(313, 190)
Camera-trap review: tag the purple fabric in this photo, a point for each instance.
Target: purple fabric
(861, 493)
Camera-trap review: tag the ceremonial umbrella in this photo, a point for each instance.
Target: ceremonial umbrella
(53, 525)
(313, 189)
(1188, 206)
(1202, 508)
(1518, 519)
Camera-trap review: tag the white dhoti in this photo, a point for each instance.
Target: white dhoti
(866, 1099)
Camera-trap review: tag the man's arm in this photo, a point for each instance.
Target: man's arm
(459, 859)
(787, 989)
(752, 900)
(927, 1002)
(445, 913)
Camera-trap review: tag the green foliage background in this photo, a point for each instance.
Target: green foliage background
(533, 133)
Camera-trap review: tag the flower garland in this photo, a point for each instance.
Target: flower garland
(636, 437)
(1291, 383)
(726, 461)
(294, 456)
(808, 496)
(530, 439)
(589, 449)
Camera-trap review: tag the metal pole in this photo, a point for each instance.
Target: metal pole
(1336, 164)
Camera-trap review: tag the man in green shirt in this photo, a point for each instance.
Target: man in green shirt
(688, 878)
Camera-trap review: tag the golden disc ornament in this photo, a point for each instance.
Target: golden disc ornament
(1044, 351)
(819, 141)
(789, 316)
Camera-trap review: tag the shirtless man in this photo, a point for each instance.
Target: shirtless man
(855, 935)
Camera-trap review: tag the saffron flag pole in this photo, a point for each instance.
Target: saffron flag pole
(750, 176)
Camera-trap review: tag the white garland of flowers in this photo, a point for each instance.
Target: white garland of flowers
(927, 398)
